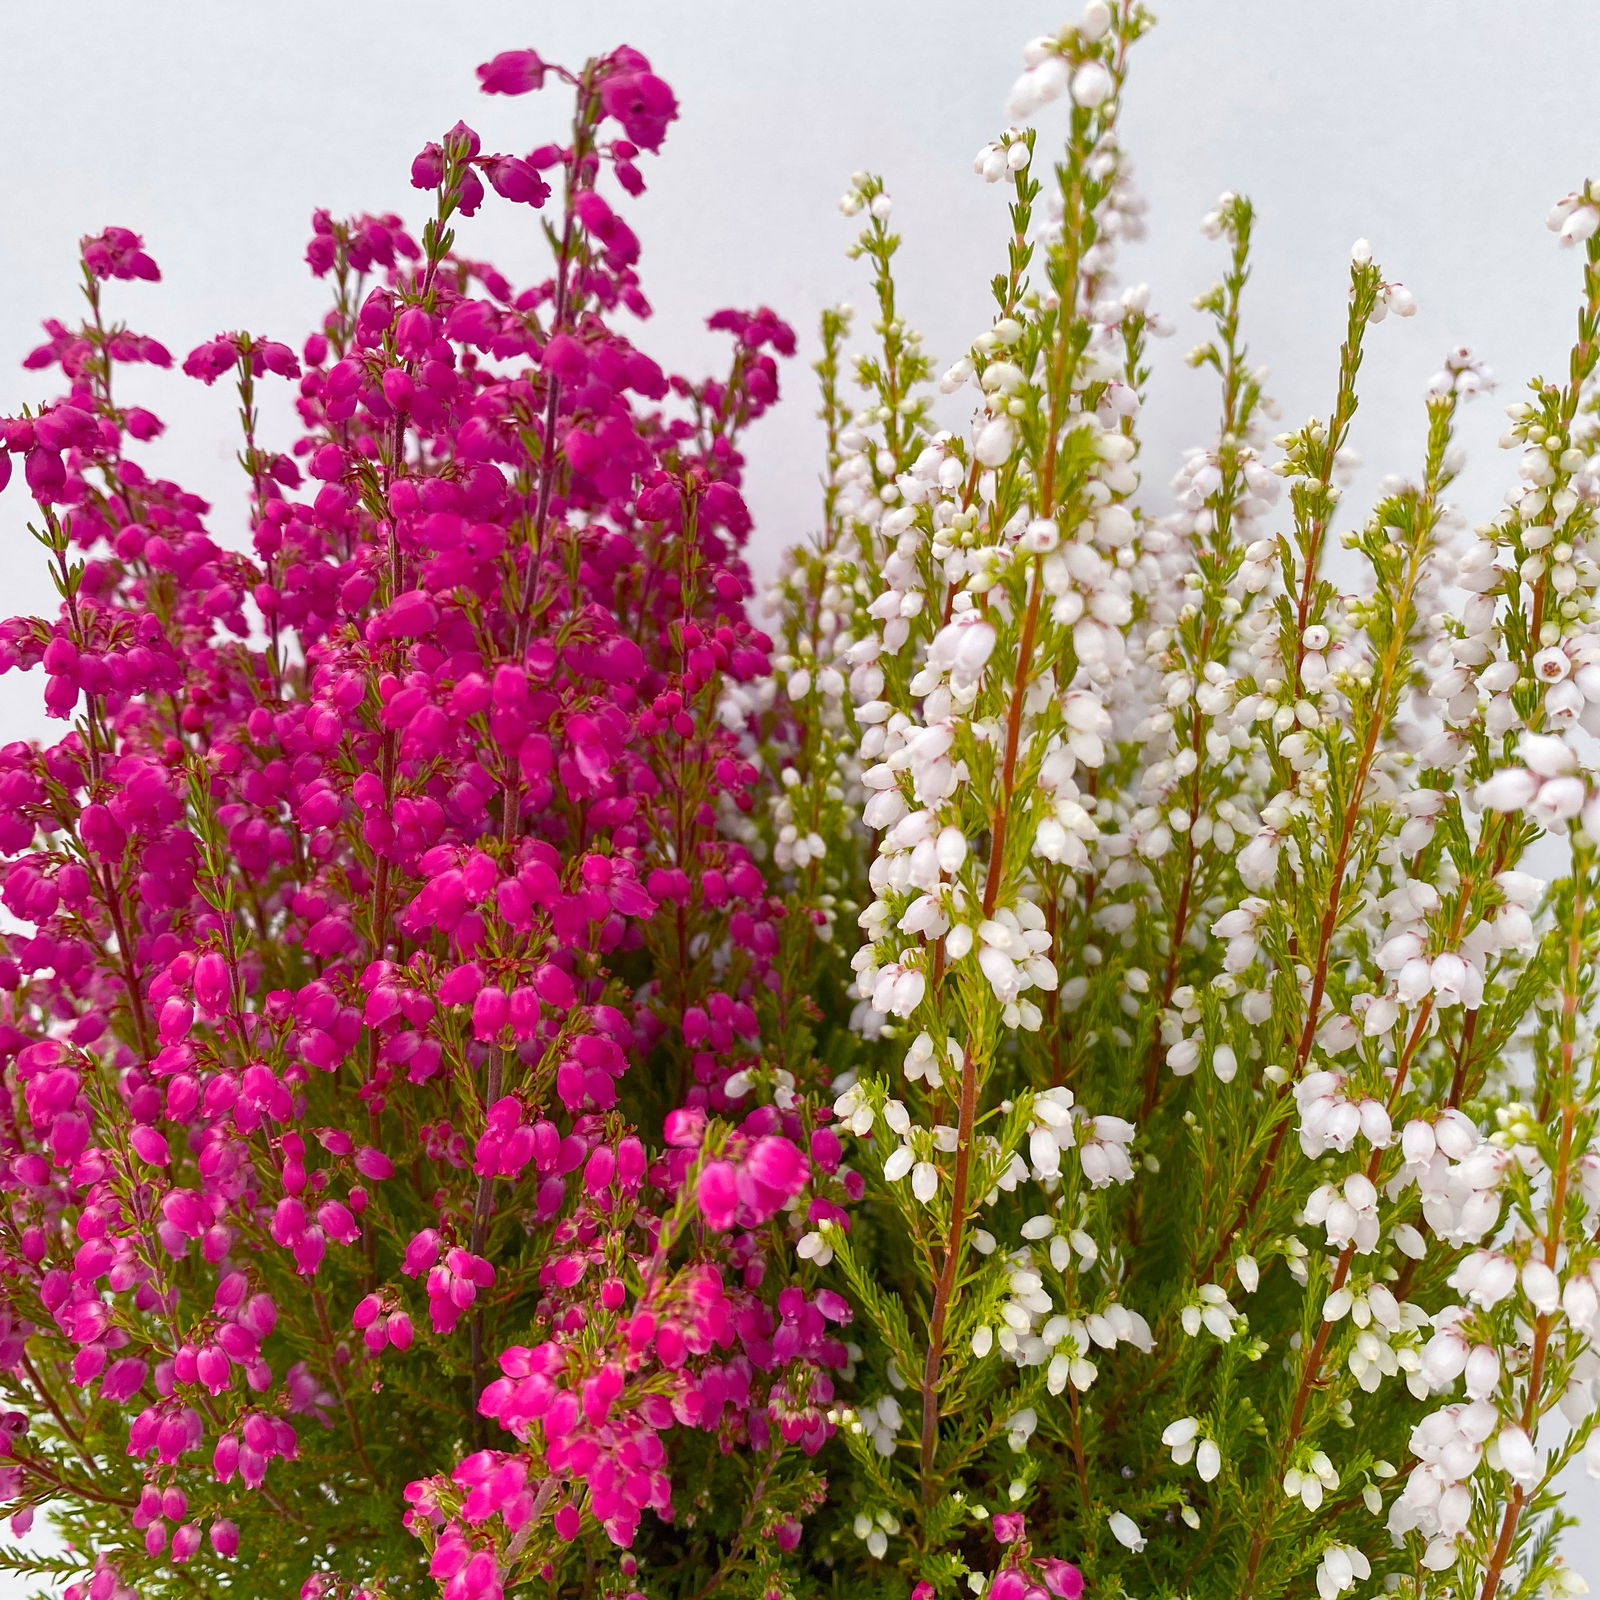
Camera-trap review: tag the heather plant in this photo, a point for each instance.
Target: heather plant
(1068, 1069)
(377, 1218)
(1205, 903)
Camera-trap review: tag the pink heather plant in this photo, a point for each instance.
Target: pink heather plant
(377, 1219)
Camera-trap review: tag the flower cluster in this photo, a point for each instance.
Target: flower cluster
(1221, 1066)
(381, 969)
(1067, 1066)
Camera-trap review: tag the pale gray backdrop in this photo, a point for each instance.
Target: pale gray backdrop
(1442, 131)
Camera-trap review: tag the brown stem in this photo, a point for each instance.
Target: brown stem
(1330, 917)
(947, 1277)
(1008, 772)
(50, 1400)
(1297, 1416)
(1312, 1372)
(559, 316)
(1552, 1239)
(945, 1287)
(357, 1442)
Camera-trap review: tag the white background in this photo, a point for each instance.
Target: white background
(1440, 129)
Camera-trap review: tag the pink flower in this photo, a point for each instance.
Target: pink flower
(512, 72)
(1061, 1578)
(347, 951)
(641, 102)
(119, 253)
(718, 1194)
(513, 179)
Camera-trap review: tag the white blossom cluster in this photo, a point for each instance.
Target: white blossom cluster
(1220, 1051)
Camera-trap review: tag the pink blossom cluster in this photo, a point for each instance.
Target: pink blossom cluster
(378, 958)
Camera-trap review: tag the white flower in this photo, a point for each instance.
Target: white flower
(1020, 1427)
(1517, 1457)
(1481, 1370)
(1258, 861)
(1342, 1565)
(962, 647)
(1509, 790)
(814, 1247)
(924, 1181)
(1580, 225)
(950, 849)
(920, 1062)
(1179, 1437)
(898, 1163)
(1125, 1530)
(1308, 1485)
(1184, 1057)
(1444, 1358)
(997, 438)
(1541, 1286)
(1037, 87)
(1440, 1555)
(1091, 84)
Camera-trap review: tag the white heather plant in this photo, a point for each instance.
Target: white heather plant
(1202, 921)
